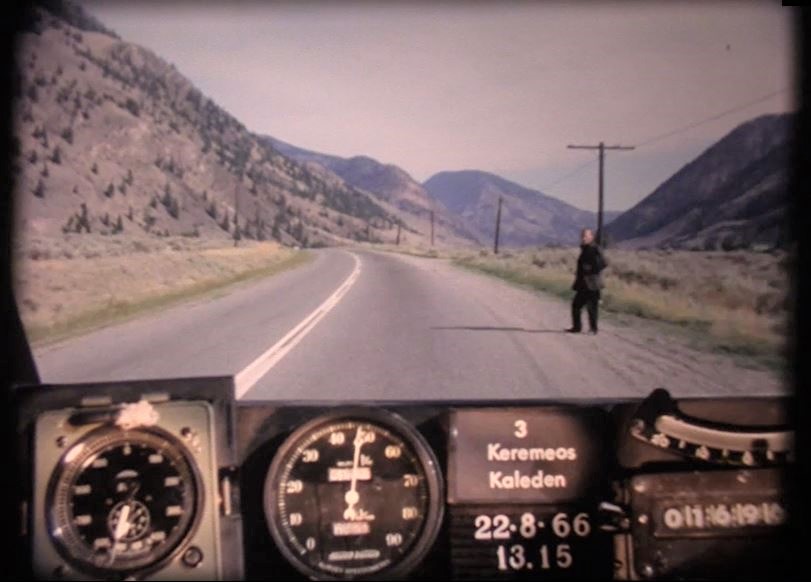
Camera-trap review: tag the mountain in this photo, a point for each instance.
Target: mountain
(112, 139)
(388, 183)
(733, 195)
(528, 217)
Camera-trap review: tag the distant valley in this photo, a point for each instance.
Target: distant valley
(529, 217)
(113, 140)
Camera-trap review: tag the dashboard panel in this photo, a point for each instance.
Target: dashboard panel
(175, 479)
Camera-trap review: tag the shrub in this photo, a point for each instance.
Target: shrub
(133, 107)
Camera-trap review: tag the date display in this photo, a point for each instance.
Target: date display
(516, 541)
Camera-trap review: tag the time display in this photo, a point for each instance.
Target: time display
(122, 501)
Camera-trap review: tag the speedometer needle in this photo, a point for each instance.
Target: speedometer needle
(352, 496)
(123, 525)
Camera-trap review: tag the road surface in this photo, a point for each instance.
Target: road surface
(382, 326)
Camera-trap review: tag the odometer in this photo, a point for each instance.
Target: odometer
(353, 494)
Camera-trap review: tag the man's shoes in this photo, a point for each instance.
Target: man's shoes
(592, 332)
(572, 330)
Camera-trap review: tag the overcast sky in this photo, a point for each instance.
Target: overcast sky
(495, 86)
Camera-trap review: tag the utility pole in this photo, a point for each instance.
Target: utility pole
(432, 228)
(236, 214)
(601, 147)
(398, 234)
(498, 226)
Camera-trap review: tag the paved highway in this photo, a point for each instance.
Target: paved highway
(382, 326)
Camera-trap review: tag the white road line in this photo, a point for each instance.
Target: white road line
(253, 372)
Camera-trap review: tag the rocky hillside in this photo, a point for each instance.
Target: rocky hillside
(390, 184)
(528, 217)
(111, 139)
(734, 195)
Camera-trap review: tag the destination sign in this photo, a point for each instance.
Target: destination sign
(525, 455)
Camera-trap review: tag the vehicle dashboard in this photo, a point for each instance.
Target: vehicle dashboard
(175, 479)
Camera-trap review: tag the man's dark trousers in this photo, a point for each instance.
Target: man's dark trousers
(591, 300)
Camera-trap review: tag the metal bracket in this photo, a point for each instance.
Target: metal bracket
(229, 490)
(613, 518)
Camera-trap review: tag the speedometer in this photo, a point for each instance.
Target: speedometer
(353, 494)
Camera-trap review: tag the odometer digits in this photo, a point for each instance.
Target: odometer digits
(354, 494)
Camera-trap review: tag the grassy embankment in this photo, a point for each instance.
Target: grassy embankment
(733, 302)
(71, 285)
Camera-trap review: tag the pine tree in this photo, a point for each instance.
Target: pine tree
(39, 191)
(84, 219)
(174, 208)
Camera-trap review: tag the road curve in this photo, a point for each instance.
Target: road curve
(404, 328)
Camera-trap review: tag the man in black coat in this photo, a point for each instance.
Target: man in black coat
(588, 282)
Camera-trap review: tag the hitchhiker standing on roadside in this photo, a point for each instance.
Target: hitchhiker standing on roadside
(588, 282)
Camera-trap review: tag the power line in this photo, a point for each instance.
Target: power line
(695, 124)
(574, 172)
(671, 133)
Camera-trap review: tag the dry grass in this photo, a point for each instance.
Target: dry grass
(69, 285)
(738, 301)
(414, 250)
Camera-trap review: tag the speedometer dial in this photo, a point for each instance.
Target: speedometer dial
(123, 501)
(353, 494)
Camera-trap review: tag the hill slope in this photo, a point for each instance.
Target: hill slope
(388, 183)
(112, 139)
(733, 195)
(529, 217)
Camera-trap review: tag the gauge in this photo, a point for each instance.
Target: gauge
(354, 494)
(123, 501)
